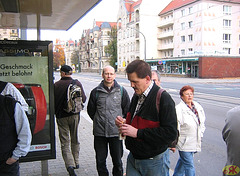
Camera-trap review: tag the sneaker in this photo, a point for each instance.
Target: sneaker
(71, 172)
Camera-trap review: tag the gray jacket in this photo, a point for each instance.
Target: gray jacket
(104, 106)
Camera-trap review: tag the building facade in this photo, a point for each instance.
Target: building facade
(92, 46)
(191, 29)
(137, 30)
(70, 47)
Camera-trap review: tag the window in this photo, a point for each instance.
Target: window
(226, 38)
(183, 52)
(227, 50)
(190, 24)
(183, 12)
(227, 10)
(227, 23)
(190, 37)
(183, 38)
(190, 10)
(183, 26)
(190, 51)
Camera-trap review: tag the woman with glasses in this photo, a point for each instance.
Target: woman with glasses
(191, 119)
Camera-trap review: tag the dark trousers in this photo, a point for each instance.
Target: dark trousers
(116, 151)
(9, 170)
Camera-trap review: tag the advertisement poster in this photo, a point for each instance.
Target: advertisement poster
(28, 66)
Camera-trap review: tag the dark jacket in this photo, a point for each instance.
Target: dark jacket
(60, 96)
(155, 131)
(8, 139)
(104, 106)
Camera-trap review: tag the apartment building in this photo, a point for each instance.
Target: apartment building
(92, 46)
(137, 30)
(191, 29)
(69, 48)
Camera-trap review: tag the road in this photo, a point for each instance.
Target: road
(215, 97)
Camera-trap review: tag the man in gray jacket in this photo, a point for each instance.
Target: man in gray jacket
(107, 101)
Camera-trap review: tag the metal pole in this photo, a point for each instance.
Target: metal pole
(100, 60)
(78, 62)
(38, 27)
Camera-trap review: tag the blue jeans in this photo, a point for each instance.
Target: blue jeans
(157, 166)
(185, 164)
(116, 152)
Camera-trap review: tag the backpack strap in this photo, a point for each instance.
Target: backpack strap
(158, 97)
(74, 81)
(121, 88)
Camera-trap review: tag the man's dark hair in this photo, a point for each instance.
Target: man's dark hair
(141, 68)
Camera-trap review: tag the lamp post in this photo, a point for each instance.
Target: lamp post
(100, 58)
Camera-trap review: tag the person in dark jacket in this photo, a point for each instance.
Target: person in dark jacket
(15, 135)
(230, 134)
(107, 101)
(148, 131)
(67, 121)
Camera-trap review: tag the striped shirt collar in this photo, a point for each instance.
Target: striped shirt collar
(146, 92)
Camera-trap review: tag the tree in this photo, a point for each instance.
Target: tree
(75, 57)
(111, 48)
(58, 57)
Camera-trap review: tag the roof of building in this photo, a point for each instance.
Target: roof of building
(105, 25)
(175, 4)
(96, 28)
(130, 4)
(99, 24)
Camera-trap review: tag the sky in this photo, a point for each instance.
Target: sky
(106, 10)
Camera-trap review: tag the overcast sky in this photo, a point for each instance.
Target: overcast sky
(106, 10)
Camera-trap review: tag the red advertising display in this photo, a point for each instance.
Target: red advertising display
(28, 65)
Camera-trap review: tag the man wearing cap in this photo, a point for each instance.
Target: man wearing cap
(67, 122)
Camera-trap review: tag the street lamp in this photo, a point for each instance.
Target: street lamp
(100, 58)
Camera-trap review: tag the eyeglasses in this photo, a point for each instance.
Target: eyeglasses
(188, 94)
(109, 74)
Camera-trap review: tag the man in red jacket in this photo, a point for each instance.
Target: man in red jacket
(148, 131)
